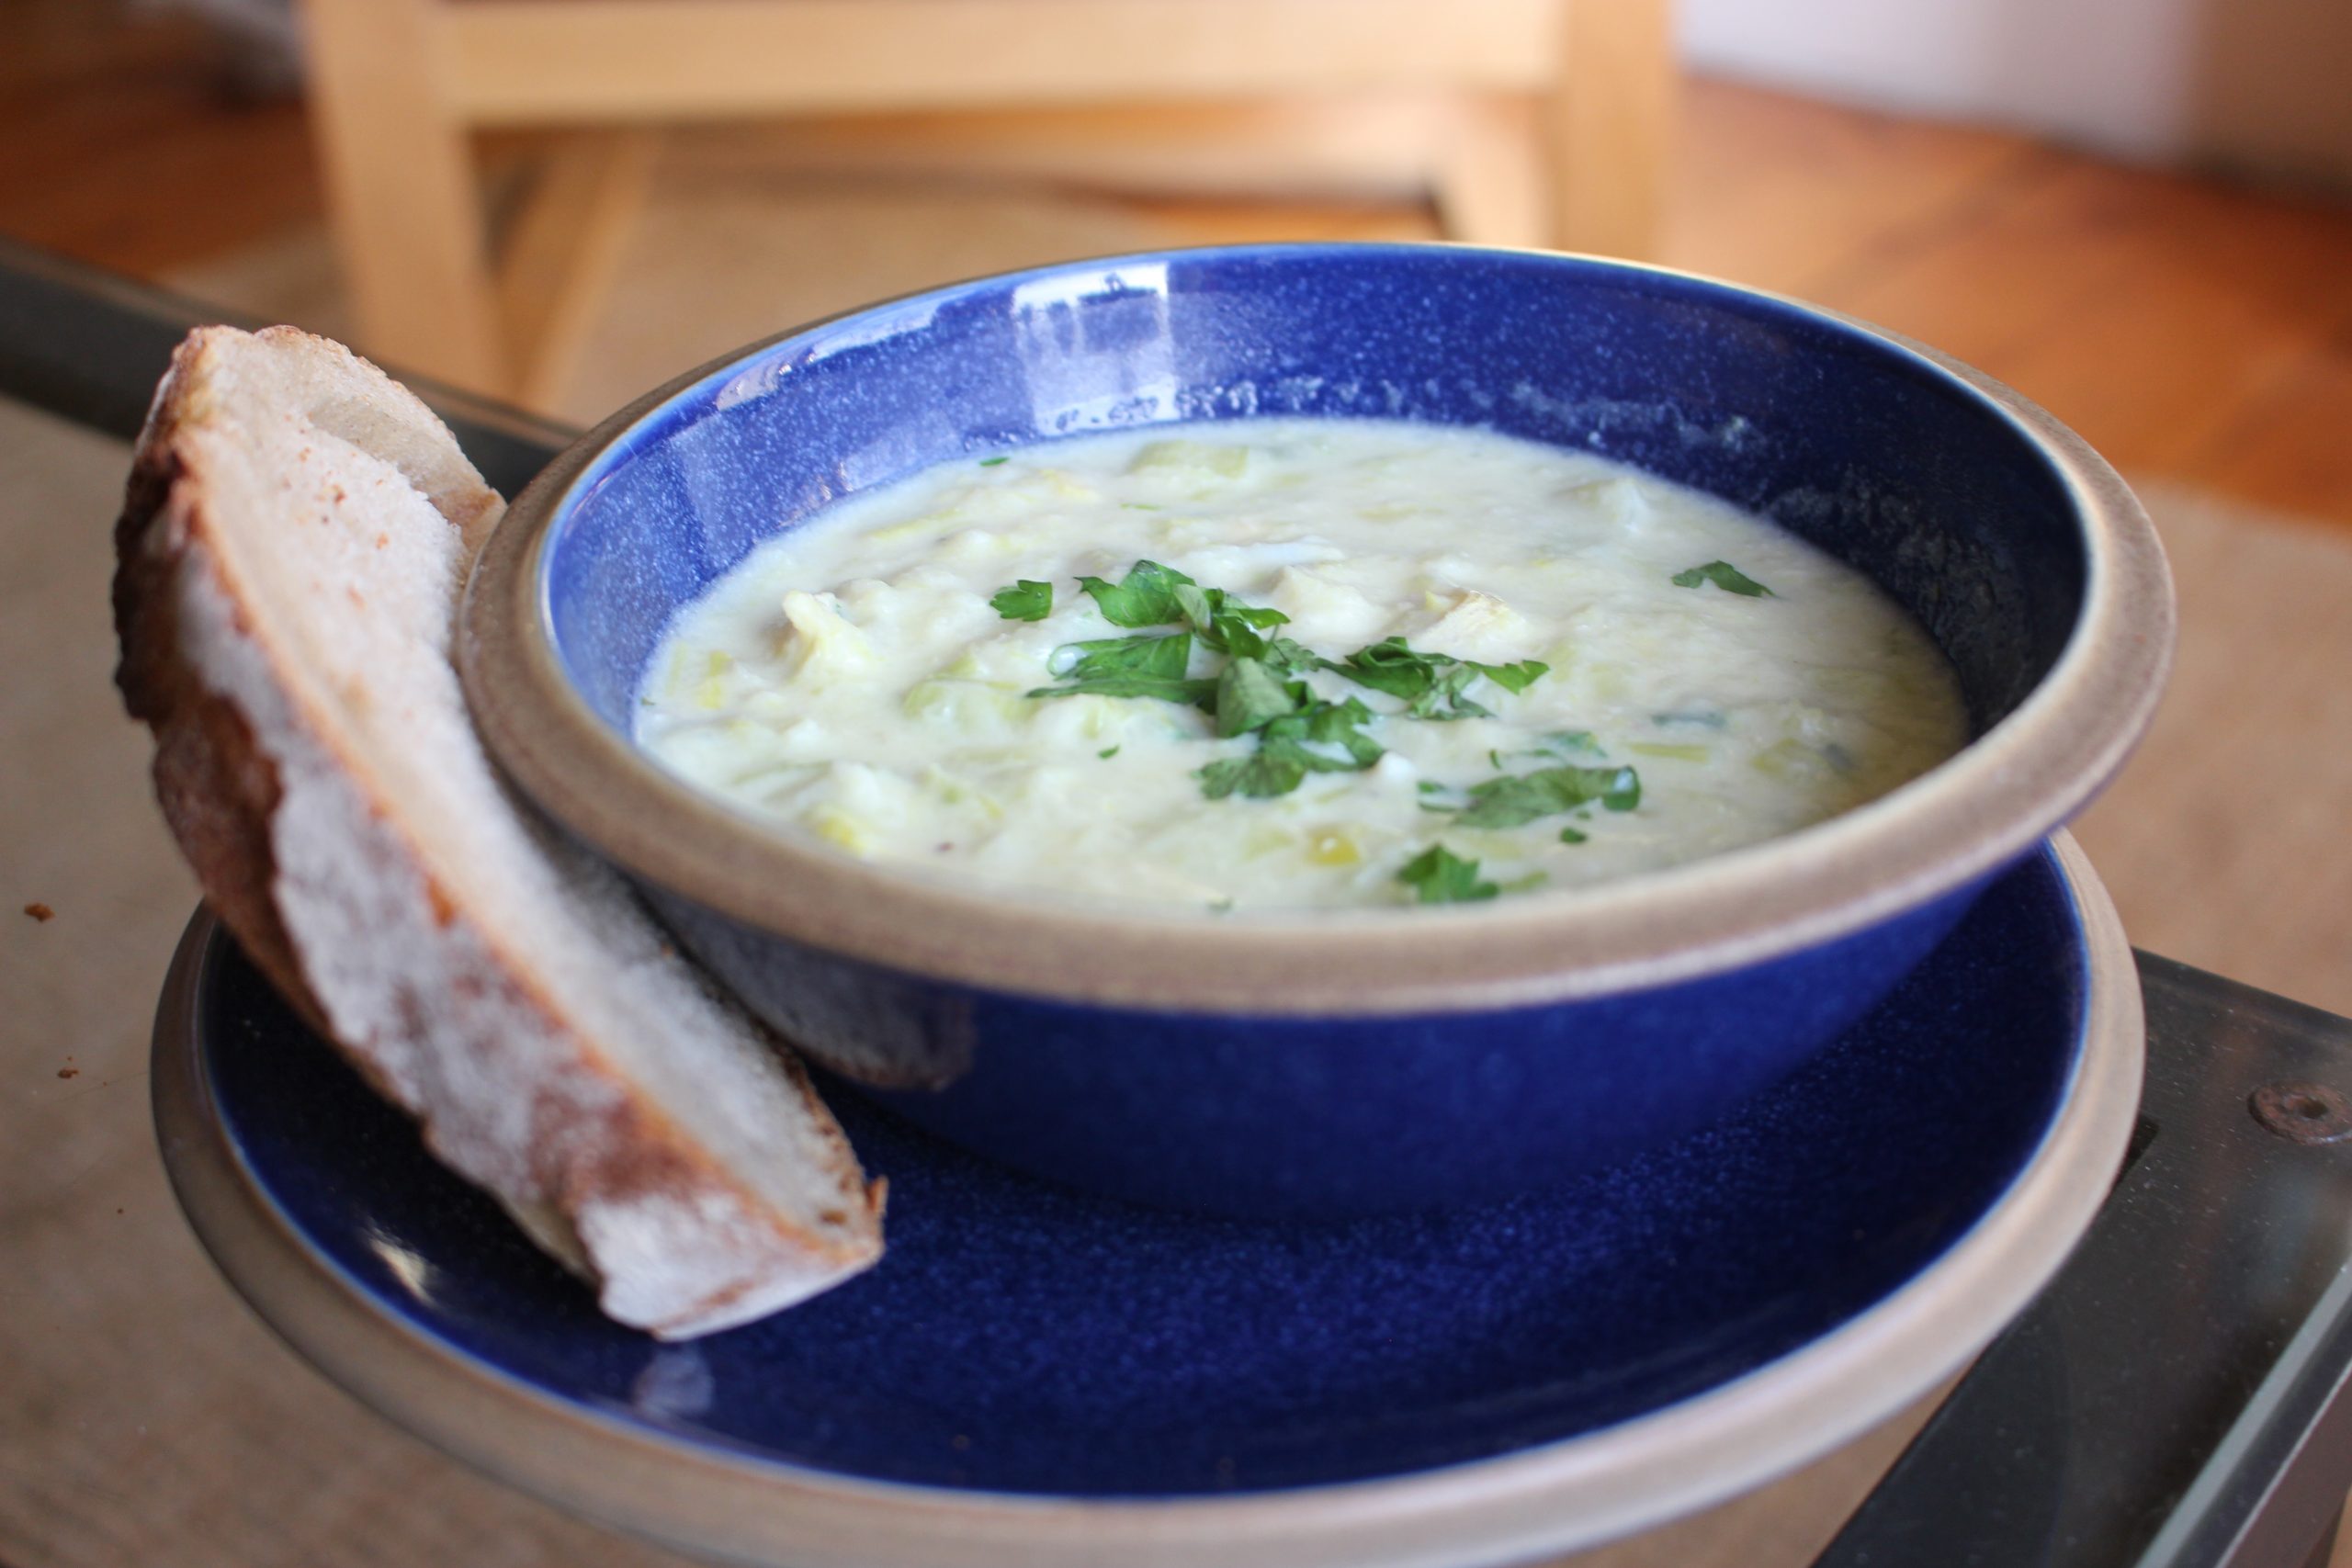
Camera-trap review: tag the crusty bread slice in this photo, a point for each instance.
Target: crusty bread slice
(293, 543)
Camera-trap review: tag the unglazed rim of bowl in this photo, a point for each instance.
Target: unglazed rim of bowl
(1533, 1503)
(1959, 822)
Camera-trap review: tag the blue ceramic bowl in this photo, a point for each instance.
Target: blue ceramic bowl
(1324, 1064)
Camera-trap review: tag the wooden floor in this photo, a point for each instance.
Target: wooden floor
(2187, 329)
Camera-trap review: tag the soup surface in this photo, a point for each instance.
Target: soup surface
(1294, 663)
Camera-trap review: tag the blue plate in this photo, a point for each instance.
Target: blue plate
(1021, 1341)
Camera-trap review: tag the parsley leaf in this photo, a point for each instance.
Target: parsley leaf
(1259, 774)
(992, 462)
(1513, 678)
(1165, 655)
(1288, 658)
(1434, 685)
(1146, 597)
(1444, 699)
(1200, 693)
(1324, 737)
(1024, 601)
(1197, 606)
(1508, 803)
(1572, 836)
(1560, 745)
(1227, 625)
(1131, 666)
(1238, 628)
(1392, 667)
(1249, 696)
(1725, 576)
(1437, 875)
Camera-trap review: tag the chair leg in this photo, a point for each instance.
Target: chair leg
(563, 252)
(1611, 113)
(1493, 186)
(401, 192)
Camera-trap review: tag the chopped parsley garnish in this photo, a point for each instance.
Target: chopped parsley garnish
(1725, 576)
(1226, 625)
(1108, 753)
(1288, 657)
(992, 462)
(1258, 775)
(1694, 718)
(1515, 677)
(1437, 875)
(1259, 693)
(1315, 738)
(1163, 656)
(1129, 667)
(1571, 836)
(1249, 696)
(1201, 694)
(1508, 802)
(1146, 597)
(1433, 685)
(1024, 601)
(1196, 604)
(1558, 746)
(1324, 737)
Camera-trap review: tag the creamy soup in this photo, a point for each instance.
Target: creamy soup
(1294, 663)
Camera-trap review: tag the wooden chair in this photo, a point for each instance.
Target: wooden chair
(1531, 121)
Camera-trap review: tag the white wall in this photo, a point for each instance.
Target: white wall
(2266, 83)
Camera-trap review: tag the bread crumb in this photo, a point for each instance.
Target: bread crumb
(69, 1072)
(40, 912)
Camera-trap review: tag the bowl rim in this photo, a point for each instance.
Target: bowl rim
(1949, 829)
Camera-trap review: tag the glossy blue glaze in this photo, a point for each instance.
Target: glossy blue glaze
(1861, 448)
(1021, 1338)
(1293, 1118)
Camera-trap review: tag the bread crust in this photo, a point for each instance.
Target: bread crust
(677, 1241)
(216, 789)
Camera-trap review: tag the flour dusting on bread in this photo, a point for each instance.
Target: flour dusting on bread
(293, 549)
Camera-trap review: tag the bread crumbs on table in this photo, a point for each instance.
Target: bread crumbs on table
(69, 1072)
(40, 912)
